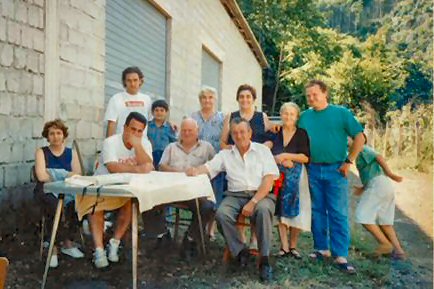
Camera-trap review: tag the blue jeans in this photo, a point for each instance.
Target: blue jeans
(329, 192)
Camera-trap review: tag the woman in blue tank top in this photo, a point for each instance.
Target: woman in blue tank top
(55, 162)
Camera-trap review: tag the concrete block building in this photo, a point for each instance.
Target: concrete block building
(64, 58)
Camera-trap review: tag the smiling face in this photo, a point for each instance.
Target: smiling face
(189, 133)
(55, 136)
(207, 101)
(316, 98)
(289, 116)
(245, 99)
(133, 83)
(241, 134)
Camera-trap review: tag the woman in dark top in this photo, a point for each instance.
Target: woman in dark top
(290, 148)
(55, 162)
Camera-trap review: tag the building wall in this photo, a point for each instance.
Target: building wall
(73, 87)
(198, 23)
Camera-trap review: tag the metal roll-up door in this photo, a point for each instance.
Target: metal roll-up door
(135, 36)
(211, 72)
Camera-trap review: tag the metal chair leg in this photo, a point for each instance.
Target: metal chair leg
(41, 246)
(175, 235)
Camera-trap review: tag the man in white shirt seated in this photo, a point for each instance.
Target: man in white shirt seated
(190, 152)
(127, 152)
(251, 171)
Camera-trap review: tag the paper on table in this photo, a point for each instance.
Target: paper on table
(168, 188)
(100, 180)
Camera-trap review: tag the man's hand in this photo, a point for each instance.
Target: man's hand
(191, 172)
(143, 169)
(287, 164)
(248, 209)
(394, 177)
(358, 191)
(275, 128)
(344, 169)
(135, 141)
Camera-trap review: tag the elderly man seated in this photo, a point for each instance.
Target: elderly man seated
(251, 171)
(189, 152)
(127, 152)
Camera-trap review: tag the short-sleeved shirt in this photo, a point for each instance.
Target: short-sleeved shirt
(175, 156)
(160, 136)
(210, 130)
(299, 143)
(328, 130)
(244, 173)
(114, 150)
(122, 104)
(367, 165)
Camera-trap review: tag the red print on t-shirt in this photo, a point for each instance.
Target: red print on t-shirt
(134, 103)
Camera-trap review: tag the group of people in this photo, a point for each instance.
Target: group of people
(296, 171)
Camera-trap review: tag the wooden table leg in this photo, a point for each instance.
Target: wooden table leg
(134, 237)
(202, 239)
(53, 238)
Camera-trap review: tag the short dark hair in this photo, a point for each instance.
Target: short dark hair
(136, 116)
(160, 103)
(57, 123)
(131, 69)
(238, 120)
(318, 82)
(248, 87)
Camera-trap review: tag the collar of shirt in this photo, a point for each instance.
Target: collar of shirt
(179, 145)
(235, 150)
(152, 123)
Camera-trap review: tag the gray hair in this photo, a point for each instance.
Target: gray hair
(190, 119)
(238, 120)
(287, 105)
(209, 89)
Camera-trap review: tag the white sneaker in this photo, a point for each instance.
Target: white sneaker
(100, 258)
(73, 252)
(54, 261)
(113, 248)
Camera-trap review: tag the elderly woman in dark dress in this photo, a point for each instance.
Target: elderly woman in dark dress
(290, 148)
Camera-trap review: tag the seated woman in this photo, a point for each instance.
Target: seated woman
(55, 162)
(290, 148)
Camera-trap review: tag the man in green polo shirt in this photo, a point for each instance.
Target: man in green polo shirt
(328, 127)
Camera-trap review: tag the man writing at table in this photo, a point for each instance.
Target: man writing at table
(189, 152)
(127, 152)
(251, 171)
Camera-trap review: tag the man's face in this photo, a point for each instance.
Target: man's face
(315, 97)
(133, 129)
(159, 113)
(207, 100)
(133, 83)
(189, 132)
(241, 134)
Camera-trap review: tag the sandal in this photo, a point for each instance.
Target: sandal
(399, 256)
(346, 268)
(295, 254)
(317, 256)
(282, 253)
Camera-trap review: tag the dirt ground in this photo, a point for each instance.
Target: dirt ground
(165, 269)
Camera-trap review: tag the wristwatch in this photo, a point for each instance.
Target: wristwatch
(347, 160)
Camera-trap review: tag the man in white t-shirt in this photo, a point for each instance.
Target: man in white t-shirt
(122, 103)
(250, 171)
(128, 152)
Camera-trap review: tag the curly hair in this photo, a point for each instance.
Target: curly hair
(57, 123)
(248, 87)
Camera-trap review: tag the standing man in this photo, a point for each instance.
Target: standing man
(328, 127)
(122, 103)
(251, 171)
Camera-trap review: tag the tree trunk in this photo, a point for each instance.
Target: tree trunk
(276, 87)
